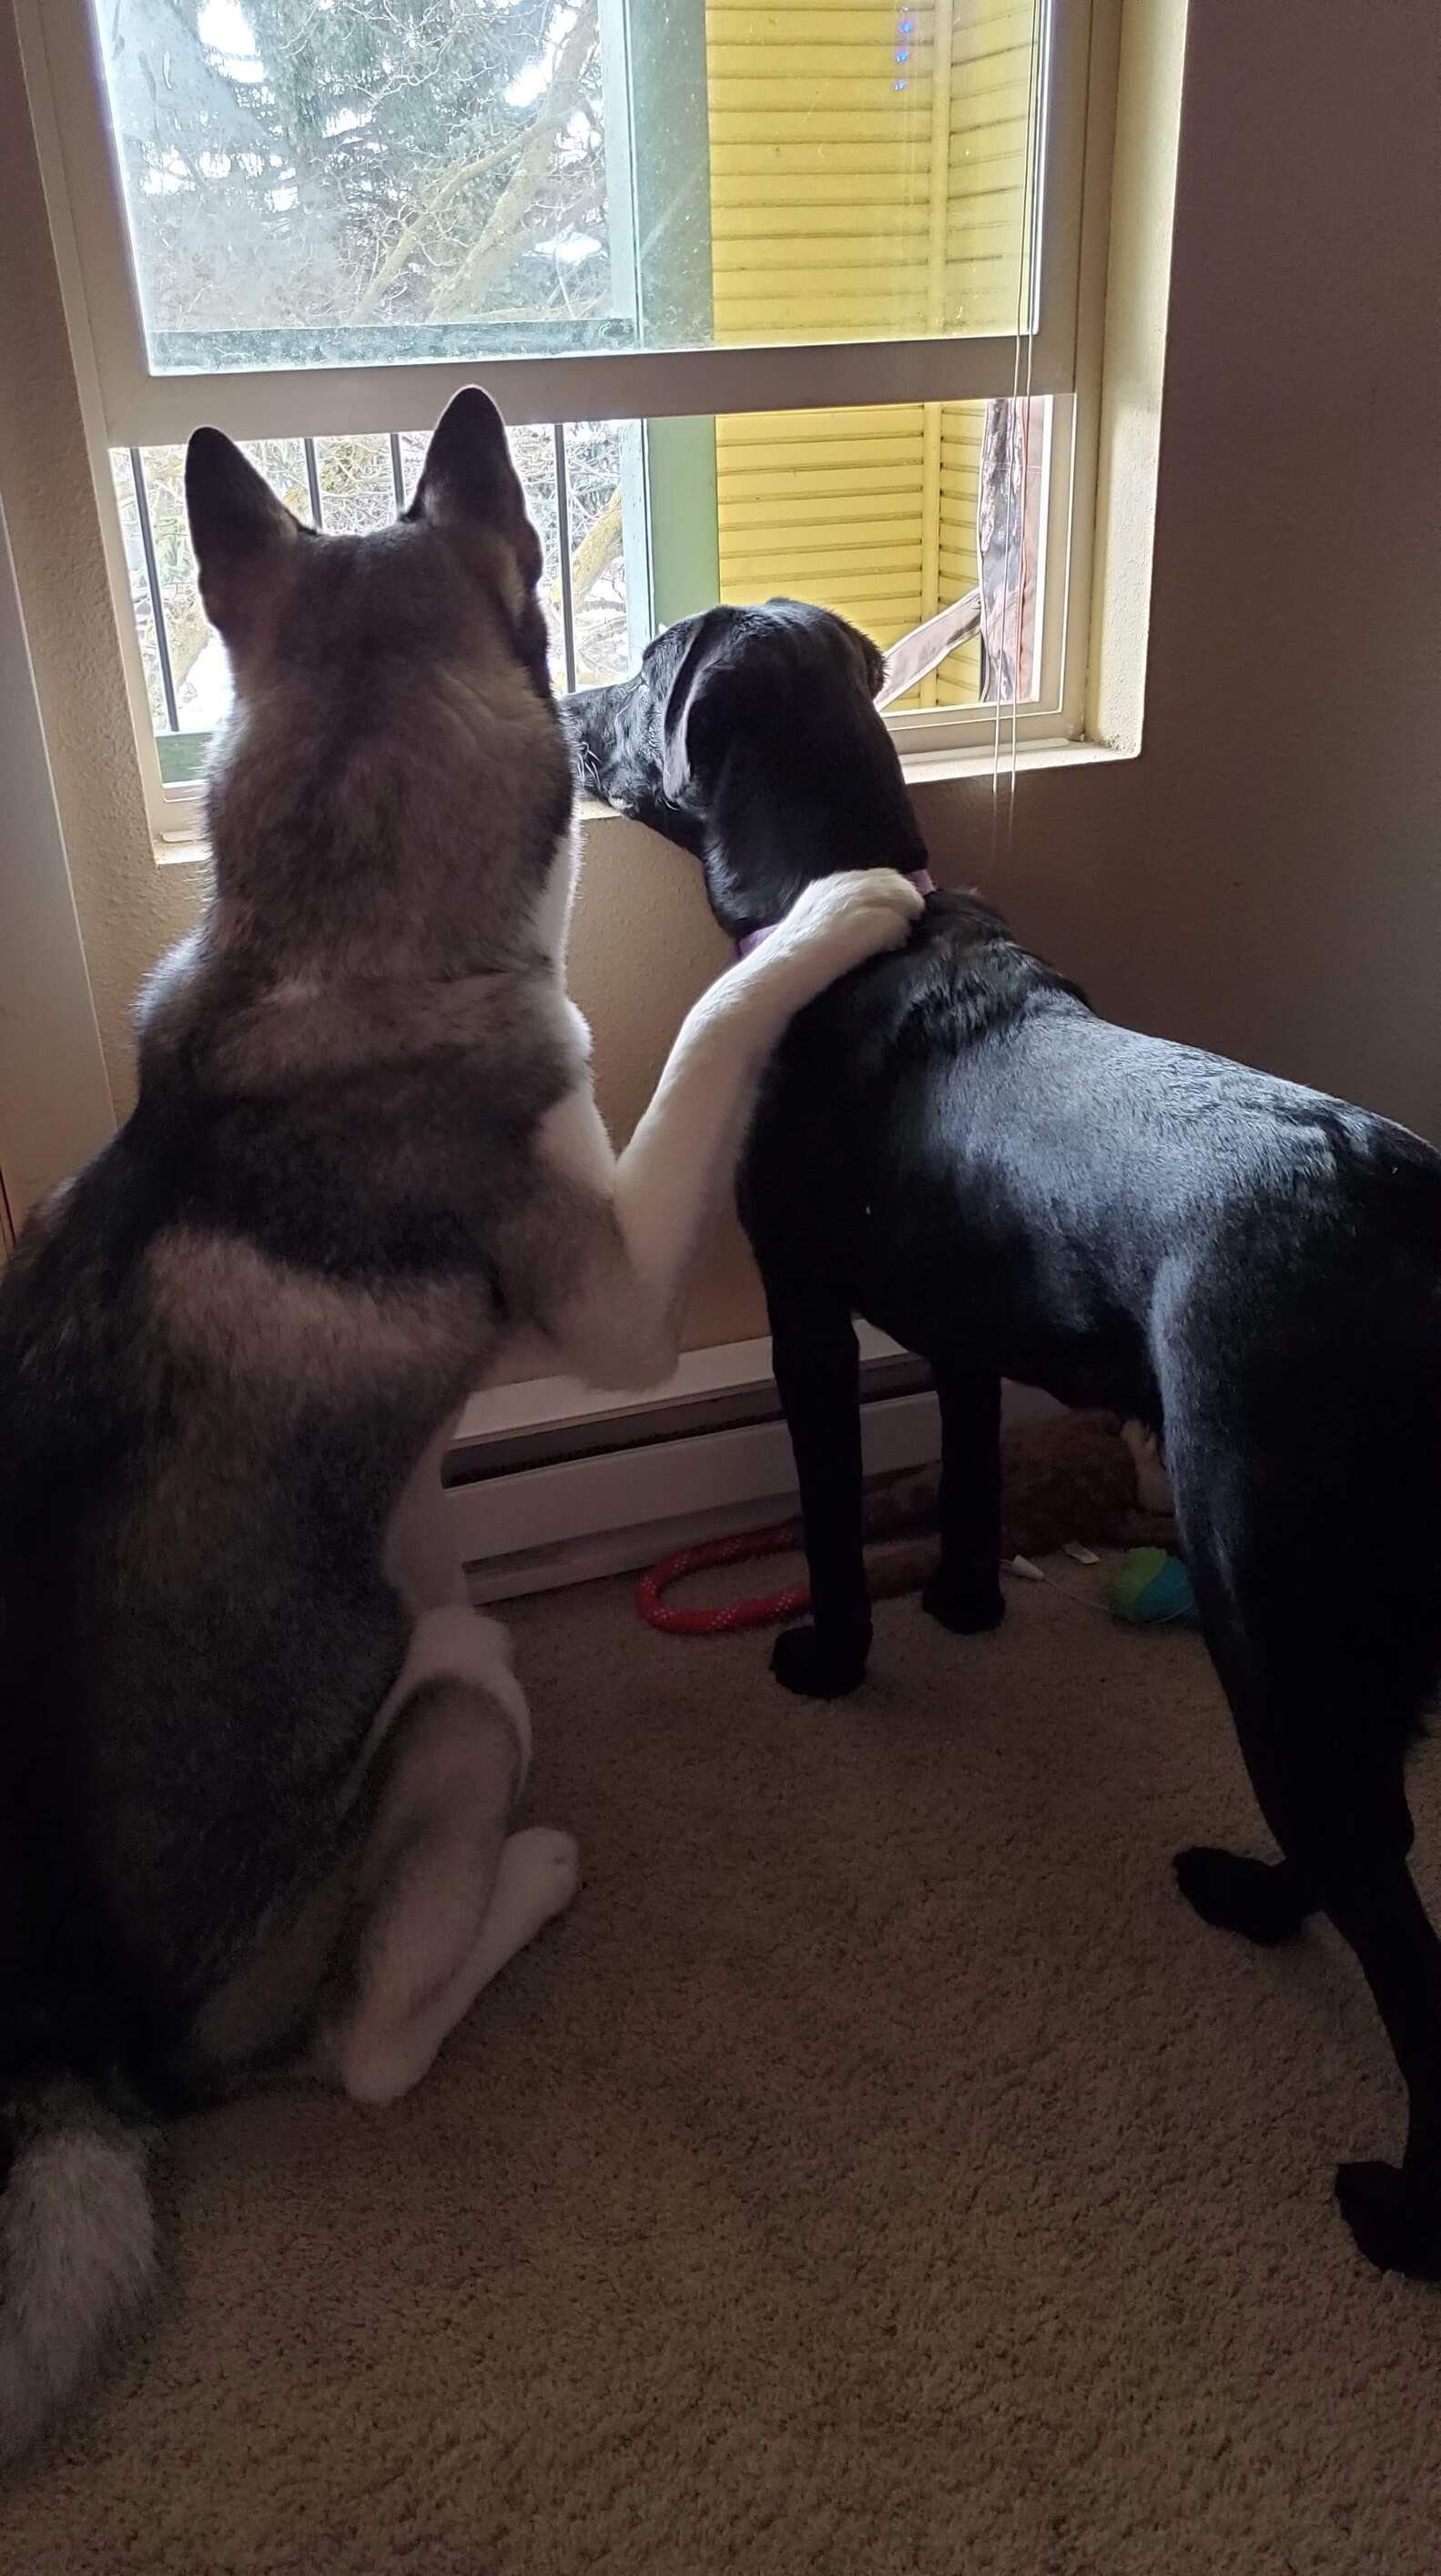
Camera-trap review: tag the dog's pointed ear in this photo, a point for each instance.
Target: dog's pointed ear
(241, 533)
(468, 480)
(708, 702)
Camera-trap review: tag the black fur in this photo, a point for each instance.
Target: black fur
(952, 1144)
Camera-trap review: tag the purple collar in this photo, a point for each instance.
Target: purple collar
(921, 877)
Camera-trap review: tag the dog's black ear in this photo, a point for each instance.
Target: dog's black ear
(242, 535)
(726, 681)
(468, 479)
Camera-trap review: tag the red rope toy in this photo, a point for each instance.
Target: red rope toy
(755, 1613)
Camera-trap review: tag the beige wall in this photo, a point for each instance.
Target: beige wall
(1264, 878)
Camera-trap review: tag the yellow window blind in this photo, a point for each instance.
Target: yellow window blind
(867, 171)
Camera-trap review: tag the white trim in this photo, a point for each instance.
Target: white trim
(622, 384)
(50, 1123)
(554, 1403)
(522, 1532)
(527, 1528)
(545, 1507)
(533, 1528)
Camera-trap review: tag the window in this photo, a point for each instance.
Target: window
(778, 298)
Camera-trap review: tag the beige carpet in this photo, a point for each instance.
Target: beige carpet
(878, 2170)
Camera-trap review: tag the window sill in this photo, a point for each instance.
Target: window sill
(179, 848)
(922, 769)
(935, 768)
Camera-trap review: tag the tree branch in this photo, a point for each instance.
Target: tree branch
(597, 550)
(410, 239)
(509, 216)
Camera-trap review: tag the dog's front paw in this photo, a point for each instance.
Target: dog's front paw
(1396, 2227)
(816, 1667)
(966, 1609)
(842, 920)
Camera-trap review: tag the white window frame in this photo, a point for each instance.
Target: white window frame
(126, 406)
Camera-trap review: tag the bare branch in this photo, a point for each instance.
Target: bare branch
(410, 239)
(596, 552)
(509, 219)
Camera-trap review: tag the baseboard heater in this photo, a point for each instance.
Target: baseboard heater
(548, 1483)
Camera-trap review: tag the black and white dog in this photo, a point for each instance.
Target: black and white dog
(952, 1144)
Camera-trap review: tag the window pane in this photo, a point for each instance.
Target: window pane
(199, 676)
(357, 489)
(596, 515)
(141, 603)
(331, 182)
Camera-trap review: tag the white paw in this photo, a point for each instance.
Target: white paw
(547, 1862)
(842, 920)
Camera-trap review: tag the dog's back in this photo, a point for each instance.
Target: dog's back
(957, 1132)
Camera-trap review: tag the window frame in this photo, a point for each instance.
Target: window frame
(126, 406)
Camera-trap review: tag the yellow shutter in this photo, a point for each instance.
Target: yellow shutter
(866, 162)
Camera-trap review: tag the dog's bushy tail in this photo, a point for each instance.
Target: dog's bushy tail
(77, 2249)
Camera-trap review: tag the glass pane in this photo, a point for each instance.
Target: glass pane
(282, 462)
(595, 510)
(332, 182)
(141, 603)
(199, 672)
(357, 488)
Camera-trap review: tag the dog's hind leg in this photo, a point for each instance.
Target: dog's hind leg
(1263, 1900)
(1393, 2212)
(444, 1895)
(1330, 1783)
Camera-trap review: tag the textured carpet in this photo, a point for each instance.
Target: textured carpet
(878, 2170)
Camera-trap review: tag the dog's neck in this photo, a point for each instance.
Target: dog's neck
(397, 849)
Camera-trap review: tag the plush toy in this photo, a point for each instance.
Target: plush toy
(1151, 1588)
(1074, 1476)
